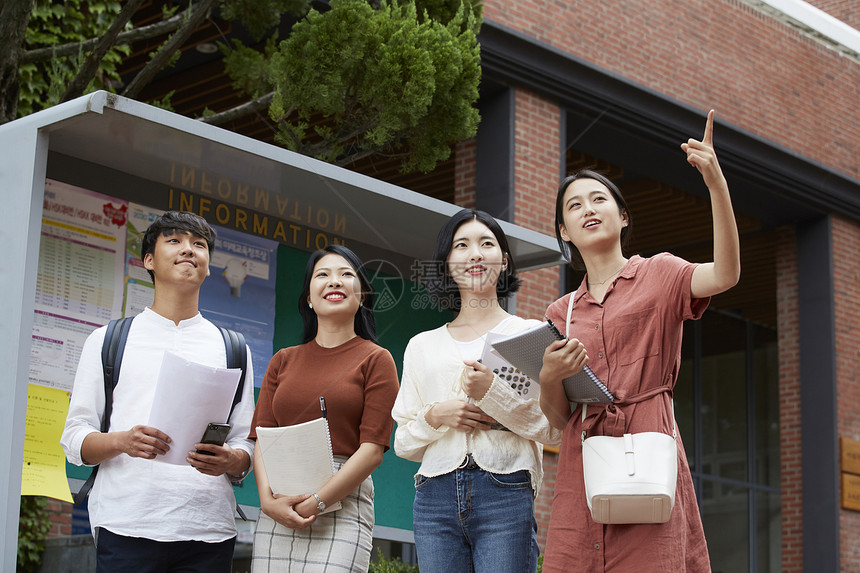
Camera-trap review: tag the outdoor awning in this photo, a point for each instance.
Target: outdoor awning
(251, 185)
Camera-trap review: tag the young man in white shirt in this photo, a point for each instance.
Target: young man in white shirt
(147, 515)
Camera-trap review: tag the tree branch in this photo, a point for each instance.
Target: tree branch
(157, 63)
(14, 17)
(351, 158)
(129, 37)
(160, 59)
(91, 65)
(359, 130)
(288, 129)
(254, 106)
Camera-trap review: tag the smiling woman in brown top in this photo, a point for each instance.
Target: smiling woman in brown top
(341, 362)
(626, 323)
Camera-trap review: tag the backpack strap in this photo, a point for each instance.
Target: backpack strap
(237, 357)
(112, 351)
(234, 344)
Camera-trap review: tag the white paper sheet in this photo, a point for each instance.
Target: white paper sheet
(189, 396)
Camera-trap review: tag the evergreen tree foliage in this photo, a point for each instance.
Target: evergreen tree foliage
(381, 79)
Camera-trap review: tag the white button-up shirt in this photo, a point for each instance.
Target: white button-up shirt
(138, 497)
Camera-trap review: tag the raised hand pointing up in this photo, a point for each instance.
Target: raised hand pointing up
(713, 278)
(701, 155)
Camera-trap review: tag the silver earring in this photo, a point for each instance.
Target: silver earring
(310, 305)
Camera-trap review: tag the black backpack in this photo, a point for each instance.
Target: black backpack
(112, 351)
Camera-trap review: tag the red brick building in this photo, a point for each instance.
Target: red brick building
(770, 378)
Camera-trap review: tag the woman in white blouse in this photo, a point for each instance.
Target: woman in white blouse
(477, 438)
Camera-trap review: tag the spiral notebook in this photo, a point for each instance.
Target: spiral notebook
(523, 385)
(525, 349)
(298, 459)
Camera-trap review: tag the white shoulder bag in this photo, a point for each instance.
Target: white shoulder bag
(630, 479)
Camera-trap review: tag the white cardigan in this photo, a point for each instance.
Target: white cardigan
(431, 369)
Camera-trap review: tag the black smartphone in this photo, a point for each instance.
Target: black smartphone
(214, 434)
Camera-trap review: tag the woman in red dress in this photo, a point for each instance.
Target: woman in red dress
(626, 323)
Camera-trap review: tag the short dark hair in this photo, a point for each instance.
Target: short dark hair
(568, 250)
(441, 288)
(365, 322)
(172, 222)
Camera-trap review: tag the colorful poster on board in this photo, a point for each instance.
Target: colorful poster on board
(139, 291)
(79, 285)
(240, 291)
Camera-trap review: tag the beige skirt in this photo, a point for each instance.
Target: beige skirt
(338, 541)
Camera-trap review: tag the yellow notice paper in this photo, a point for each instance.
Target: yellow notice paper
(44, 470)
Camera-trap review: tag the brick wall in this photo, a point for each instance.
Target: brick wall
(846, 265)
(536, 174)
(844, 10)
(60, 513)
(759, 74)
(791, 472)
(464, 173)
(537, 161)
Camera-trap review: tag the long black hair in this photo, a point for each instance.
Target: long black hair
(365, 323)
(568, 249)
(442, 289)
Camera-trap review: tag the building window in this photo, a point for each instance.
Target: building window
(727, 406)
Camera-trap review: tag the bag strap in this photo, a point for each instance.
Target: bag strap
(112, 351)
(569, 313)
(237, 357)
(234, 344)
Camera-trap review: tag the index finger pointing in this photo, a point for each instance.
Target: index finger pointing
(708, 138)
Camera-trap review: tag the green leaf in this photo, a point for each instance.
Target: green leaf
(33, 524)
(56, 23)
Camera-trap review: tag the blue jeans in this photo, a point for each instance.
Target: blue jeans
(475, 521)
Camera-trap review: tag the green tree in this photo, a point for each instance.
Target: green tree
(355, 78)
